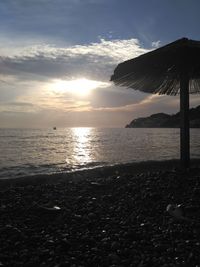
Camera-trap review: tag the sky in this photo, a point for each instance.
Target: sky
(57, 57)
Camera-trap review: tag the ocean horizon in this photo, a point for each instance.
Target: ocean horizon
(26, 152)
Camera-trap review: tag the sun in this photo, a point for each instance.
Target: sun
(80, 87)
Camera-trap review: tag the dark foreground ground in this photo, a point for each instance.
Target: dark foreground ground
(119, 219)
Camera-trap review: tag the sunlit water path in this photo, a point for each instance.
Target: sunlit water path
(37, 151)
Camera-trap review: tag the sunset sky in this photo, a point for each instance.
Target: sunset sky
(57, 56)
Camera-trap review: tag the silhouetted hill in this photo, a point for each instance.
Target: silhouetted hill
(162, 120)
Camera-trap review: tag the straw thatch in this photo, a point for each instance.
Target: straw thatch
(159, 71)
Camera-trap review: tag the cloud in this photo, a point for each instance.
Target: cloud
(95, 61)
(28, 73)
(18, 107)
(156, 44)
(19, 104)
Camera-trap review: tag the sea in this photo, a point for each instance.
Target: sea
(26, 152)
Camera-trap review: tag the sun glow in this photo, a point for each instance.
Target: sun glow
(81, 87)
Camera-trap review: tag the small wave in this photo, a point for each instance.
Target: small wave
(47, 168)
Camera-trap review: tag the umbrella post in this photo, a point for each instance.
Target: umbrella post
(184, 120)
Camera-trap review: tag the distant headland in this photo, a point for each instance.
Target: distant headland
(162, 120)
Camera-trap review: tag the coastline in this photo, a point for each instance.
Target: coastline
(96, 173)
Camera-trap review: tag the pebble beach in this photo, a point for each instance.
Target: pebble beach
(109, 217)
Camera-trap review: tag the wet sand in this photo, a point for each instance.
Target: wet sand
(113, 216)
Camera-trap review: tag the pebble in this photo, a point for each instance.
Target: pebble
(109, 222)
(115, 245)
(65, 244)
(114, 258)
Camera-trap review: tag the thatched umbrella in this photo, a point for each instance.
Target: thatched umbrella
(172, 69)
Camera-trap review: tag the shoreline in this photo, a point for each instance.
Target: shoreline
(96, 172)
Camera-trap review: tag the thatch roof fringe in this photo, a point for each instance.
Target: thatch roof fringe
(159, 71)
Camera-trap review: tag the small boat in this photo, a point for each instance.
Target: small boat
(54, 128)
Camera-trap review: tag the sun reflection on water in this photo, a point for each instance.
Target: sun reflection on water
(81, 146)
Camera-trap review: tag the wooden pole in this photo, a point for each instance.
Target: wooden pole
(184, 116)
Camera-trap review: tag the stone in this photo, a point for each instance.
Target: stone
(114, 258)
(115, 245)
